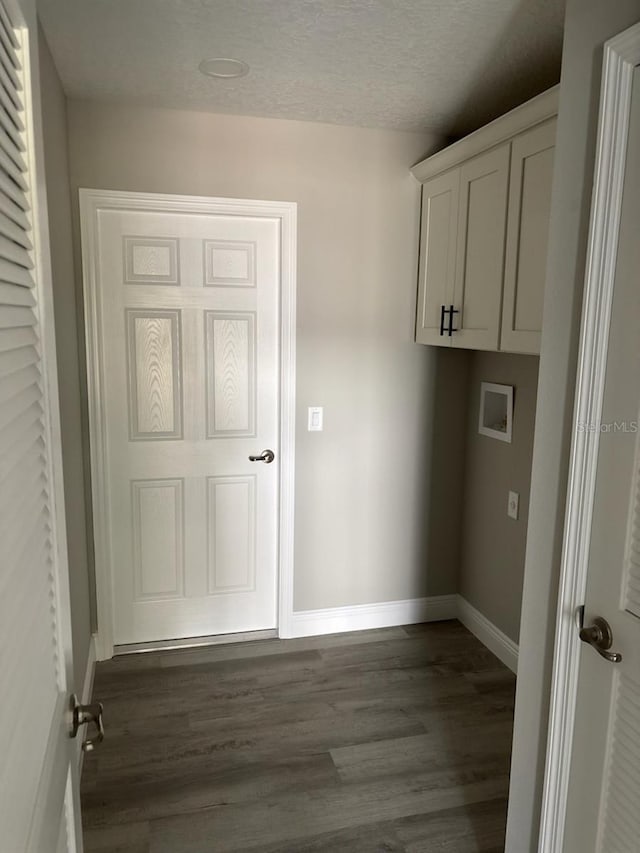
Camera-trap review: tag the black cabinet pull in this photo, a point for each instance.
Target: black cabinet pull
(443, 311)
(451, 311)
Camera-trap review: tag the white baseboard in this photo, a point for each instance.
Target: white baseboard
(360, 617)
(386, 614)
(490, 636)
(87, 691)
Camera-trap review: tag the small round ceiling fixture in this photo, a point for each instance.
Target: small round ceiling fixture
(224, 68)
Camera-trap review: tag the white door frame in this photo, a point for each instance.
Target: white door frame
(92, 202)
(621, 54)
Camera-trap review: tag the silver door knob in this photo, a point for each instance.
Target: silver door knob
(266, 456)
(600, 636)
(83, 715)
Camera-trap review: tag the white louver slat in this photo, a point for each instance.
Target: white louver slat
(621, 829)
(12, 251)
(632, 580)
(30, 672)
(13, 151)
(11, 131)
(9, 68)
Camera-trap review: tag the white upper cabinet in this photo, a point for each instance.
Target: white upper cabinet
(527, 239)
(480, 250)
(438, 254)
(485, 221)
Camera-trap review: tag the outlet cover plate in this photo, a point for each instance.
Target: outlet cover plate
(315, 419)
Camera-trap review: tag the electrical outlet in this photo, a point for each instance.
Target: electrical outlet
(513, 505)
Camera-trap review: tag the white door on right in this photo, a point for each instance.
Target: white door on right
(604, 792)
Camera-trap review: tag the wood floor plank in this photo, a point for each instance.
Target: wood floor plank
(374, 838)
(394, 740)
(189, 790)
(128, 838)
(412, 650)
(227, 740)
(497, 688)
(304, 814)
(263, 648)
(433, 751)
(307, 736)
(472, 828)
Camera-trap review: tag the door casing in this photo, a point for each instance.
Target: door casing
(92, 202)
(621, 55)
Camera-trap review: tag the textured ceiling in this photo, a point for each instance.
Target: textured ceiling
(448, 65)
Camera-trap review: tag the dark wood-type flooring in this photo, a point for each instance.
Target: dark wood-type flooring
(390, 740)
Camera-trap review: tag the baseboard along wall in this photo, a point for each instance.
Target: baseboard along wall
(386, 614)
(489, 635)
(361, 617)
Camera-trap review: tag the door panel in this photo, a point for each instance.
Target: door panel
(527, 238)
(437, 255)
(604, 795)
(189, 307)
(158, 538)
(231, 534)
(154, 373)
(480, 259)
(231, 373)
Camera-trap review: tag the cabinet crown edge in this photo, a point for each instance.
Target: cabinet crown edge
(534, 111)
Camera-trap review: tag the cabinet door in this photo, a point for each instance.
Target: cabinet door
(527, 238)
(480, 255)
(438, 235)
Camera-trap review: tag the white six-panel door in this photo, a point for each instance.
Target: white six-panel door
(189, 331)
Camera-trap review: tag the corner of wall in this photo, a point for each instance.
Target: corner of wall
(55, 137)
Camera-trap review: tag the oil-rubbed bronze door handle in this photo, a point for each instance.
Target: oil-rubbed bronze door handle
(83, 715)
(600, 637)
(266, 456)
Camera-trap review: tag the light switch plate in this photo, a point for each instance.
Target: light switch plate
(315, 419)
(513, 505)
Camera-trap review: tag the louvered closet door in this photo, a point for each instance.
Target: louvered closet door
(38, 780)
(604, 795)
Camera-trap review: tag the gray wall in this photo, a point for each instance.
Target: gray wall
(362, 488)
(589, 23)
(446, 468)
(493, 545)
(54, 122)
